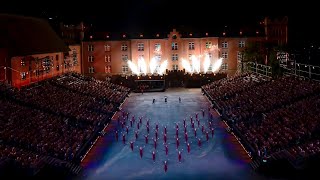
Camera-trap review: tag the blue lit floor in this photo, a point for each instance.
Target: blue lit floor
(217, 158)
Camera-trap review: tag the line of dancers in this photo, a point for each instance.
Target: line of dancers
(126, 123)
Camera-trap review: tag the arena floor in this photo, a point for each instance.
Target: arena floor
(217, 158)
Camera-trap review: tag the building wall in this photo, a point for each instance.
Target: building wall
(149, 51)
(73, 59)
(25, 70)
(3, 59)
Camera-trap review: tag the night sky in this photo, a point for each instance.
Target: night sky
(163, 15)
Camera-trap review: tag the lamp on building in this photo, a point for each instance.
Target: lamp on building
(141, 35)
(91, 37)
(190, 34)
(207, 34)
(107, 36)
(157, 35)
(124, 36)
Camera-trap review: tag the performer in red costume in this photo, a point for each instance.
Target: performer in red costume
(212, 132)
(153, 156)
(146, 137)
(179, 156)
(136, 134)
(124, 138)
(141, 152)
(188, 145)
(131, 145)
(167, 149)
(117, 136)
(165, 166)
(199, 142)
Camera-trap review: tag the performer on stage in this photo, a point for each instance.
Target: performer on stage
(165, 138)
(124, 138)
(131, 145)
(155, 143)
(212, 132)
(127, 129)
(186, 136)
(195, 132)
(177, 142)
(117, 136)
(179, 156)
(165, 166)
(188, 145)
(156, 133)
(165, 129)
(141, 152)
(199, 142)
(207, 135)
(136, 134)
(146, 137)
(153, 156)
(167, 149)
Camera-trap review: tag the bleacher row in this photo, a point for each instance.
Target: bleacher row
(271, 116)
(58, 118)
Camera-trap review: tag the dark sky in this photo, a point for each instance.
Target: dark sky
(162, 15)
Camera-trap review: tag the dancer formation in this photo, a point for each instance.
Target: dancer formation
(150, 139)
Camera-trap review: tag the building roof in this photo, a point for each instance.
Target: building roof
(27, 36)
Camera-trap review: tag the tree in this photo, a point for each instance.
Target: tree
(254, 52)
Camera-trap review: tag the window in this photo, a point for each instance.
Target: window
(47, 64)
(74, 57)
(90, 58)
(174, 46)
(125, 69)
(224, 45)
(241, 44)
(157, 47)
(124, 47)
(90, 47)
(175, 57)
(191, 45)
(125, 57)
(210, 55)
(174, 36)
(57, 67)
(107, 58)
(190, 55)
(239, 56)
(140, 47)
(224, 66)
(23, 75)
(224, 55)
(107, 69)
(141, 56)
(158, 57)
(107, 47)
(208, 44)
(91, 69)
(57, 57)
(23, 62)
(175, 67)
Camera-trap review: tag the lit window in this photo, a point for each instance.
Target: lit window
(124, 47)
(174, 46)
(241, 44)
(90, 47)
(224, 45)
(91, 69)
(23, 75)
(224, 55)
(125, 69)
(239, 56)
(107, 58)
(208, 44)
(175, 57)
(140, 47)
(224, 66)
(191, 45)
(107, 69)
(175, 67)
(107, 47)
(23, 62)
(125, 57)
(90, 58)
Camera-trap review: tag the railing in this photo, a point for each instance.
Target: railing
(260, 69)
(303, 70)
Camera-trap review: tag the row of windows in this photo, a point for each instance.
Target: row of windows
(125, 69)
(174, 46)
(174, 57)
